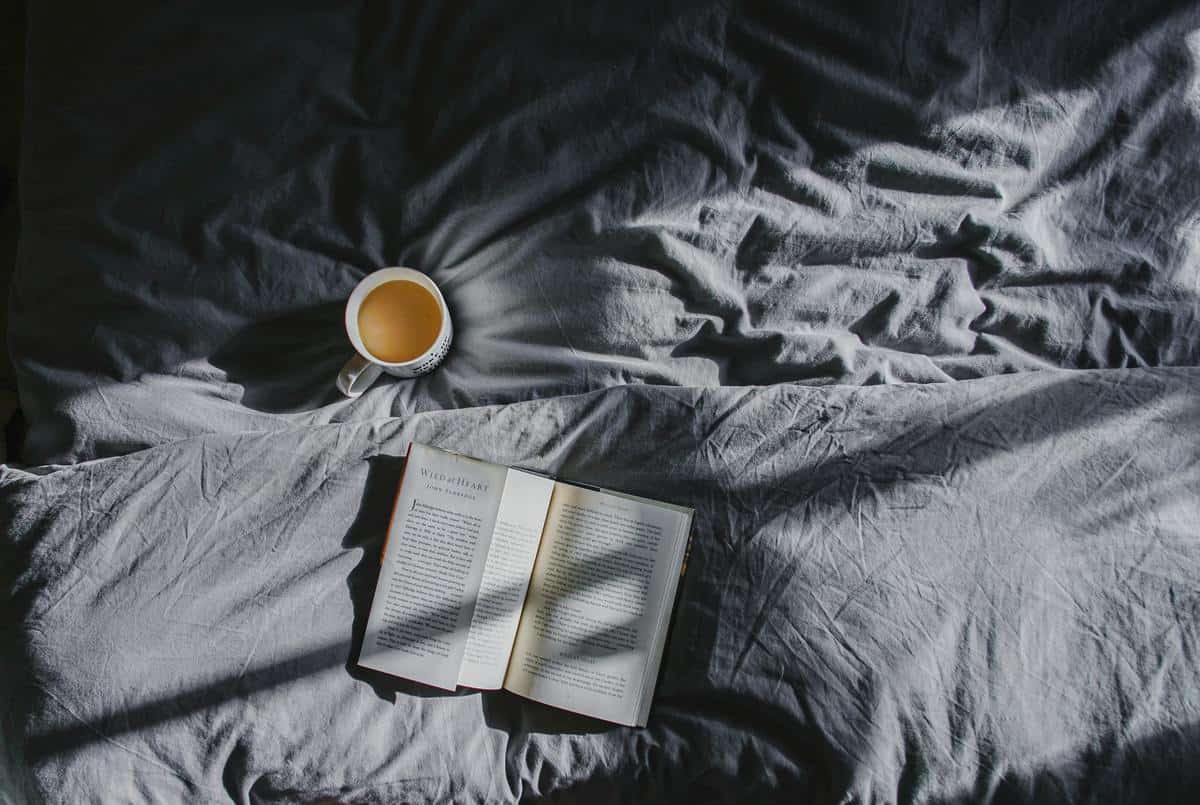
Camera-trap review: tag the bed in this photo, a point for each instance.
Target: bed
(901, 298)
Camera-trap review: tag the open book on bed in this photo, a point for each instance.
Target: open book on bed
(494, 577)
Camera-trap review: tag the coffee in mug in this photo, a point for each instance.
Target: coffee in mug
(398, 323)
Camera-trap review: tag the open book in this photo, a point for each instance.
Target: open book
(495, 577)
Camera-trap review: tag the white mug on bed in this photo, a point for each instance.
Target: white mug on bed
(385, 310)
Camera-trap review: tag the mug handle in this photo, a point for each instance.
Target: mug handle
(357, 375)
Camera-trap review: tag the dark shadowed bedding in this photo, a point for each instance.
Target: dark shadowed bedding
(684, 193)
(902, 298)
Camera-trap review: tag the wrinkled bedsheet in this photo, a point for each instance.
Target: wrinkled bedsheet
(687, 193)
(901, 297)
(979, 591)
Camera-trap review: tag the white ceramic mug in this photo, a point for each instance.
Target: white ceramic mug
(364, 368)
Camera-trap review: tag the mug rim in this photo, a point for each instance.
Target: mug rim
(372, 281)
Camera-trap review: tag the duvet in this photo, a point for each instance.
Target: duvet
(962, 592)
(902, 298)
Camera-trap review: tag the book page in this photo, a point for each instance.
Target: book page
(518, 532)
(437, 546)
(603, 587)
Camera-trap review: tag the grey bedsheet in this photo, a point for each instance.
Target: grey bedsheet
(689, 193)
(791, 264)
(979, 591)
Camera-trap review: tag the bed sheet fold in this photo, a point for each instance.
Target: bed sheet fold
(682, 193)
(982, 591)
